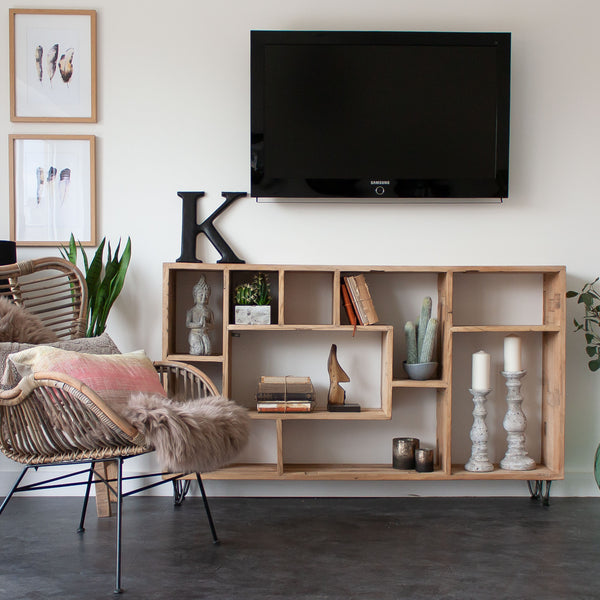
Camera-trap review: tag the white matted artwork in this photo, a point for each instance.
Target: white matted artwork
(52, 189)
(53, 65)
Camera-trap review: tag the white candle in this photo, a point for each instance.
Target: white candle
(481, 371)
(512, 353)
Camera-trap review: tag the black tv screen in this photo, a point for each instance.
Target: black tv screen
(339, 114)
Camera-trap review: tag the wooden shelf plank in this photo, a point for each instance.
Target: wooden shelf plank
(291, 327)
(505, 328)
(367, 414)
(541, 472)
(371, 472)
(413, 383)
(192, 358)
(324, 472)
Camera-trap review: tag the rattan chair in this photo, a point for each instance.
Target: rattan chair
(50, 419)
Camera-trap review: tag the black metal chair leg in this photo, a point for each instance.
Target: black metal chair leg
(180, 489)
(13, 489)
(207, 508)
(118, 589)
(86, 498)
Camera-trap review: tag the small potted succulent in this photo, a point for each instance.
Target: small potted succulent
(253, 301)
(420, 344)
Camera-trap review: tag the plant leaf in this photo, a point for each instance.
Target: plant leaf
(587, 299)
(594, 365)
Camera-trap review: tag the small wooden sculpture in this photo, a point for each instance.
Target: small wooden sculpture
(336, 398)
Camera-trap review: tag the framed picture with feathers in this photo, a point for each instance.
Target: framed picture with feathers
(52, 183)
(52, 65)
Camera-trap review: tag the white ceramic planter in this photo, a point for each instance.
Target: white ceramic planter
(252, 315)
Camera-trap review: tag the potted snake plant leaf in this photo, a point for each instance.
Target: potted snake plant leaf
(589, 298)
(104, 280)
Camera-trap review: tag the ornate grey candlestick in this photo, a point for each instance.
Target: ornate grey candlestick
(479, 461)
(515, 423)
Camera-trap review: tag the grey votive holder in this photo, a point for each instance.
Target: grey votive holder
(424, 460)
(403, 453)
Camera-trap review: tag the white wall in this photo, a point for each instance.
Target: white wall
(173, 98)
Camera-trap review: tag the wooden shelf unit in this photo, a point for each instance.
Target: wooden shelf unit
(461, 296)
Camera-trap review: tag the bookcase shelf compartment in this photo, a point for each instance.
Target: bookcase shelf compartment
(308, 315)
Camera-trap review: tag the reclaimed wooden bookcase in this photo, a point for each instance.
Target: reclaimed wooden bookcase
(473, 303)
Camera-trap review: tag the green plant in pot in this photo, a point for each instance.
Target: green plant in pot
(253, 301)
(589, 298)
(420, 344)
(104, 280)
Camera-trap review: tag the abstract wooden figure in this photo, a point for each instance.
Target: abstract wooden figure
(336, 398)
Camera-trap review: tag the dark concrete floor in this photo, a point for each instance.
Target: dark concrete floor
(317, 549)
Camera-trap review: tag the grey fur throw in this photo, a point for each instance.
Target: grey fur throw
(193, 436)
(19, 325)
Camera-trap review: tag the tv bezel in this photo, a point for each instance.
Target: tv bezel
(493, 187)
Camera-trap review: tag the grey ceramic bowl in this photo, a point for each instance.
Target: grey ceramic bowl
(420, 371)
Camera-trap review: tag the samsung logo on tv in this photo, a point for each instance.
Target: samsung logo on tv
(377, 182)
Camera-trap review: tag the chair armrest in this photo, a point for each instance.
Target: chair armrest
(50, 414)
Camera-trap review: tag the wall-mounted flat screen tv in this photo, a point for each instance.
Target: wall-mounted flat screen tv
(379, 114)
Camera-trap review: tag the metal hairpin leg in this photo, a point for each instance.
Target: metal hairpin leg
(180, 489)
(118, 589)
(207, 508)
(13, 489)
(86, 498)
(537, 492)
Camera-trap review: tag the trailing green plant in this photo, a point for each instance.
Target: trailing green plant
(589, 325)
(104, 280)
(258, 292)
(420, 339)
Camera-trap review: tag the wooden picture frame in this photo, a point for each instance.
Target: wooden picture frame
(52, 65)
(52, 188)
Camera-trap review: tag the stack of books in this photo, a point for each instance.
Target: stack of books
(285, 394)
(361, 301)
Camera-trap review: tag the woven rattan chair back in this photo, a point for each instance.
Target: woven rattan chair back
(53, 289)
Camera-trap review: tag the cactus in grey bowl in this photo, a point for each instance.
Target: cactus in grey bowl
(426, 351)
(420, 340)
(423, 321)
(410, 332)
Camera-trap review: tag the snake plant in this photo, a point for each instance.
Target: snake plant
(104, 281)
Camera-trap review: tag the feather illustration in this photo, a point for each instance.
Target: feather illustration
(63, 184)
(39, 173)
(39, 52)
(65, 64)
(51, 174)
(51, 61)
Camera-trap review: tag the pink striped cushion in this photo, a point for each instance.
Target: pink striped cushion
(114, 377)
